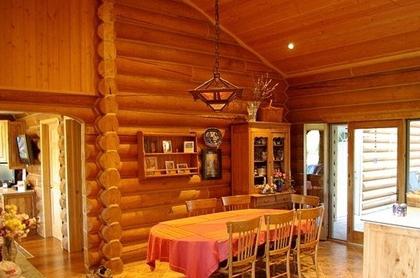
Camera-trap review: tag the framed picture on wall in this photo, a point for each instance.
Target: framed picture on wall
(170, 167)
(151, 165)
(182, 168)
(167, 146)
(211, 164)
(188, 146)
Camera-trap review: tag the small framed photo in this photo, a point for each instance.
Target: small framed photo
(188, 146)
(170, 167)
(212, 164)
(182, 168)
(151, 164)
(167, 146)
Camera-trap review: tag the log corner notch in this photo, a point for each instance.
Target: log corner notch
(108, 159)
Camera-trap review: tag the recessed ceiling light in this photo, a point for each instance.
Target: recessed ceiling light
(291, 45)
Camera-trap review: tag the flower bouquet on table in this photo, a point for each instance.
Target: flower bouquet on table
(279, 178)
(267, 188)
(13, 226)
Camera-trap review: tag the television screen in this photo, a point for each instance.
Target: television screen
(24, 148)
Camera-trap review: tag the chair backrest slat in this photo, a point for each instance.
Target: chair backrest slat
(236, 202)
(201, 206)
(309, 226)
(279, 232)
(243, 241)
(304, 201)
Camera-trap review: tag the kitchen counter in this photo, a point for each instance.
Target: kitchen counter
(391, 244)
(385, 217)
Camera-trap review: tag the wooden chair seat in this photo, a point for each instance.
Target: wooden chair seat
(236, 202)
(201, 206)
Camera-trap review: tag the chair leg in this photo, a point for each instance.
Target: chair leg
(299, 270)
(253, 270)
(267, 268)
(288, 266)
(316, 263)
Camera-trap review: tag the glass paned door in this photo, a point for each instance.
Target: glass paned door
(261, 159)
(278, 169)
(374, 152)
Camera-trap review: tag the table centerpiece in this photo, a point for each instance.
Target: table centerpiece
(13, 226)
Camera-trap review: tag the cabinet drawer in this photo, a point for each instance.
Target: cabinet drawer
(283, 198)
(265, 200)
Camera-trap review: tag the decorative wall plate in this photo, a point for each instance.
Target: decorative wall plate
(213, 137)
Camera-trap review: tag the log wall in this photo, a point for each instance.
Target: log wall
(165, 48)
(368, 93)
(148, 54)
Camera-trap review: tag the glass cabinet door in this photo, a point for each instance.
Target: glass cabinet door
(278, 167)
(260, 159)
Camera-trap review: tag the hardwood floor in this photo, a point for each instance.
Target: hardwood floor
(335, 260)
(51, 260)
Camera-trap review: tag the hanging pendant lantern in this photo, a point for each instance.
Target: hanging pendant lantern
(217, 93)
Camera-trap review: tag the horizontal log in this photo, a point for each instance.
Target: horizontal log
(93, 224)
(110, 196)
(179, 40)
(109, 159)
(93, 207)
(111, 232)
(135, 234)
(111, 249)
(111, 214)
(149, 199)
(365, 95)
(92, 188)
(186, 57)
(199, 26)
(395, 110)
(380, 80)
(182, 103)
(147, 119)
(152, 215)
(115, 264)
(134, 186)
(107, 123)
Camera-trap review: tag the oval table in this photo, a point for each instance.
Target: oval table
(196, 245)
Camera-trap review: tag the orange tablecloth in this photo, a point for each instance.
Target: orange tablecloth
(195, 245)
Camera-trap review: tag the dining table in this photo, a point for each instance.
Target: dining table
(196, 245)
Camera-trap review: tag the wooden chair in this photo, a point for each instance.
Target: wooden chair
(236, 202)
(242, 247)
(309, 230)
(304, 201)
(201, 206)
(279, 236)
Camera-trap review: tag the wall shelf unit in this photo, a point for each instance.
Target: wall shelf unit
(167, 155)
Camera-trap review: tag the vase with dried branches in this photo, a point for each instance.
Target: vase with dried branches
(263, 91)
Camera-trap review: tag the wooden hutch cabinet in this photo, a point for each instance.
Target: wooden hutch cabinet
(260, 152)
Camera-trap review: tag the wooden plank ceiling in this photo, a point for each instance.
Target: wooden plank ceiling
(329, 35)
